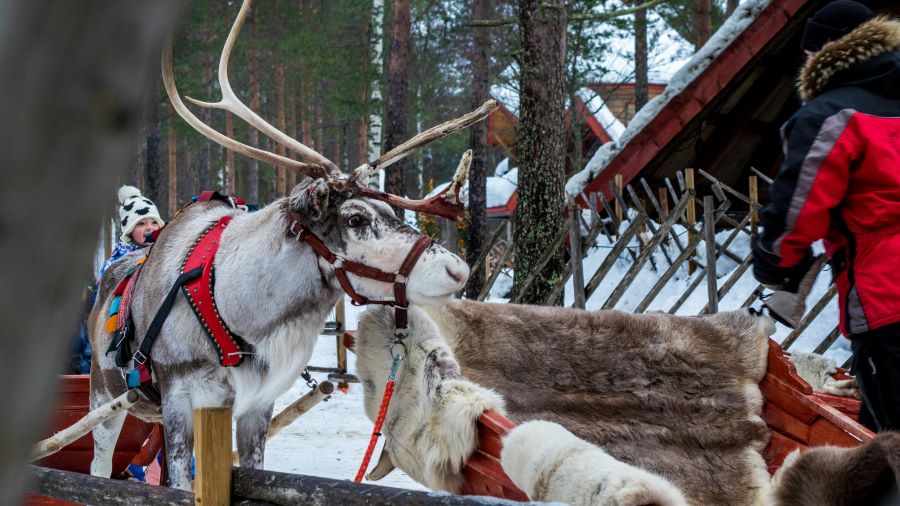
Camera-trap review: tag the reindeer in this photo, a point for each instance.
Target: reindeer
(278, 272)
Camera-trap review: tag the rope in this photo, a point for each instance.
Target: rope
(382, 414)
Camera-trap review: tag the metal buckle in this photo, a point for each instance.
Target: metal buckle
(338, 262)
(400, 279)
(139, 357)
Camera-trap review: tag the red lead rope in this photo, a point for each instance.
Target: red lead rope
(382, 413)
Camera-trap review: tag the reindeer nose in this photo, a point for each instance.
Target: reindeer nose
(456, 275)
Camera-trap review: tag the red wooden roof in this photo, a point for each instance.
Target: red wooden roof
(697, 95)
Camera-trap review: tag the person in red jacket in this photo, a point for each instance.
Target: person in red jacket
(840, 182)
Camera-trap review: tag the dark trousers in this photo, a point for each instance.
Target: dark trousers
(876, 366)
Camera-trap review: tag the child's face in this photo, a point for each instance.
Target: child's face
(141, 229)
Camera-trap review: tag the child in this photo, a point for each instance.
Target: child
(138, 216)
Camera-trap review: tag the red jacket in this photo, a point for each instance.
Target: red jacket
(841, 178)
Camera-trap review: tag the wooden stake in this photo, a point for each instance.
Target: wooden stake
(619, 211)
(339, 316)
(691, 211)
(575, 255)
(72, 433)
(754, 204)
(212, 449)
(709, 228)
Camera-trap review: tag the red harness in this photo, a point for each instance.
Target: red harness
(230, 347)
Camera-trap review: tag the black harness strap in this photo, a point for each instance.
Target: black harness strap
(143, 352)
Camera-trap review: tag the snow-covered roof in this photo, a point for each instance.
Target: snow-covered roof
(745, 14)
(598, 108)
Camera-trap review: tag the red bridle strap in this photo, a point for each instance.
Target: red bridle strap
(342, 267)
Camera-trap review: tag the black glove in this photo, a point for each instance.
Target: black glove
(767, 271)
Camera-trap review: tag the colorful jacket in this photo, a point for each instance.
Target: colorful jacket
(119, 250)
(841, 177)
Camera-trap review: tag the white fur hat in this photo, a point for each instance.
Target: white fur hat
(134, 207)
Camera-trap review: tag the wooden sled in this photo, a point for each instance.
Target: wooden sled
(72, 404)
(797, 418)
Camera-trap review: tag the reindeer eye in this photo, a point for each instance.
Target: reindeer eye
(357, 221)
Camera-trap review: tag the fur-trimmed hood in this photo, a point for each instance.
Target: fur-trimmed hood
(872, 39)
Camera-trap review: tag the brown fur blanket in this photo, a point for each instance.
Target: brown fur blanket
(676, 396)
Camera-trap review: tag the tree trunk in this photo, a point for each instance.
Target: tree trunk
(730, 7)
(540, 148)
(292, 127)
(67, 145)
(173, 166)
(702, 22)
(153, 164)
(478, 144)
(281, 175)
(398, 93)
(229, 156)
(641, 77)
(252, 195)
(375, 104)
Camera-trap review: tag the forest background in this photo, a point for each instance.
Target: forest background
(353, 78)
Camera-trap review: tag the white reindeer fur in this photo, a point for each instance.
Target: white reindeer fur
(430, 428)
(817, 370)
(549, 463)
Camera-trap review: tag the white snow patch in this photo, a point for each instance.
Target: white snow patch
(598, 108)
(499, 190)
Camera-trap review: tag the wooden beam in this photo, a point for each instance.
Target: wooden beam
(87, 489)
(212, 451)
(283, 488)
(575, 255)
(709, 229)
(754, 204)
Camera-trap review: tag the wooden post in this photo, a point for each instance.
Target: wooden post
(340, 319)
(619, 211)
(709, 227)
(754, 203)
(575, 254)
(212, 451)
(691, 212)
(87, 423)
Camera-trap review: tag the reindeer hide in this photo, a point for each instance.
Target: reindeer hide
(822, 476)
(550, 464)
(676, 396)
(430, 428)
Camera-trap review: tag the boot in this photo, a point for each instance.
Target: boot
(787, 307)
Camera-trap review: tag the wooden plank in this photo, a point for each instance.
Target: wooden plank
(640, 204)
(731, 281)
(654, 291)
(341, 320)
(809, 317)
(718, 185)
(829, 340)
(613, 255)
(575, 254)
(486, 289)
(709, 228)
(567, 269)
(282, 488)
(482, 257)
(762, 176)
(616, 224)
(690, 210)
(617, 189)
(212, 451)
(754, 204)
(652, 245)
(87, 489)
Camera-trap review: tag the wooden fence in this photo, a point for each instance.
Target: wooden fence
(659, 244)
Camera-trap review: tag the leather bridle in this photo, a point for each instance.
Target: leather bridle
(342, 266)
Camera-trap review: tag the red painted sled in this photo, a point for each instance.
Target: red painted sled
(797, 418)
(138, 442)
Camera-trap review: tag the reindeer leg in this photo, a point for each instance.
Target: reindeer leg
(105, 436)
(251, 436)
(178, 430)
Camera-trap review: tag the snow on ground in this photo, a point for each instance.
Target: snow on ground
(499, 189)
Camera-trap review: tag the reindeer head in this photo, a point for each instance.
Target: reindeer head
(353, 222)
(366, 231)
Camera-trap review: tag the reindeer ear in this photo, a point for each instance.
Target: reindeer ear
(310, 198)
